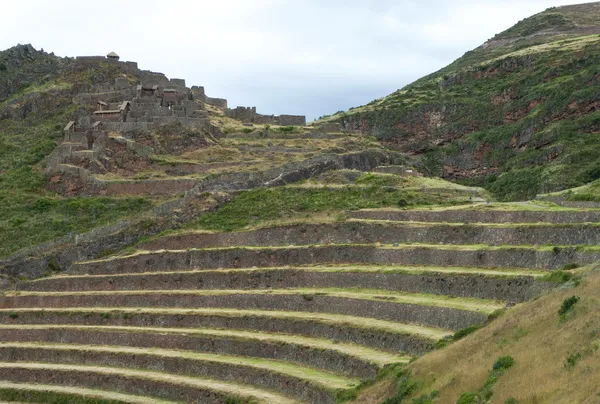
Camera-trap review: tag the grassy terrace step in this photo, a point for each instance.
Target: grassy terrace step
(482, 214)
(428, 310)
(387, 232)
(511, 284)
(481, 256)
(45, 393)
(349, 359)
(378, 334)
(155, 384)
(306, 384)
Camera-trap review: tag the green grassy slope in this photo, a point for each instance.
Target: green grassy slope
(519, 115)
(554, 343)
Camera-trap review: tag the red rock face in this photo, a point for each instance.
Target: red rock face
(65, 184)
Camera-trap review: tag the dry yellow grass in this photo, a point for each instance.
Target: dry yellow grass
(540, 345)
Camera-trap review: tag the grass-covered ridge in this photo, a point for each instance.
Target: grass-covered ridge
(518, 115)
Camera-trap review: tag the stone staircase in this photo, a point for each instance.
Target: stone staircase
(301, 313)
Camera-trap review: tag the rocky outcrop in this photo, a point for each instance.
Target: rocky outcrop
(22, 65)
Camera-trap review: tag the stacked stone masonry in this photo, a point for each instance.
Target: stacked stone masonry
(249, 115)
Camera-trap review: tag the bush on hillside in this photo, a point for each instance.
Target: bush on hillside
(568, 305)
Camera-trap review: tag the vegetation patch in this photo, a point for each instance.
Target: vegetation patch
(557, 277)
(252, 207)
(567, 306)
(405, 387)
(457, 336)
(28, 219)
(500, 367)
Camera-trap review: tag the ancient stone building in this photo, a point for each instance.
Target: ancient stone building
(249, 115)
(113, 56)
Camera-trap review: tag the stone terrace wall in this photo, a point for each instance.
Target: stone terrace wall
(432, 316)
(277, 257)
(151, 187)
(95, 380)
(472, 285)
(481, 216)
(33, 262)
(411, 343)
(370, 233)
(315, 357)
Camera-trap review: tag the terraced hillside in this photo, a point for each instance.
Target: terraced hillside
(518, 115)
(156, 250)
(301, 312)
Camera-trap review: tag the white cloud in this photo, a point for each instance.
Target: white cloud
(313, 57)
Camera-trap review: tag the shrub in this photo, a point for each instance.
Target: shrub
(53, 265)
(567, 305)
(465, 331)
(457, 336)
(572, 360)
(503, 363)
(426, 398)
(569, 267)
(13, 315)
(287, 129)
(469, 398)
(558, 277)
(405, 386)
(402, 202)
(511, 400)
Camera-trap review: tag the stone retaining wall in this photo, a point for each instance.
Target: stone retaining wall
(367, 336)
(186, 169)
(430, 256)
(334, 361)
(481, 286)
(432, 316)
(279, 382)
(33, 262)
(113, 382)
(370, 233)
(481, 216)
(151, 187)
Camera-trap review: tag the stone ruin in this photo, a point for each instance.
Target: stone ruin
(151, 100)
(249, 115)
(136, 101)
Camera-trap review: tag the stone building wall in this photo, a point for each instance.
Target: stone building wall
(291, 120)
(249, 115)
(177, 83)
(217, 102)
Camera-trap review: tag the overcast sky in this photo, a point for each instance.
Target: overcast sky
(310, 57)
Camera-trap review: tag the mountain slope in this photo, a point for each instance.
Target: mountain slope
(555, 356)
(518, 115)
